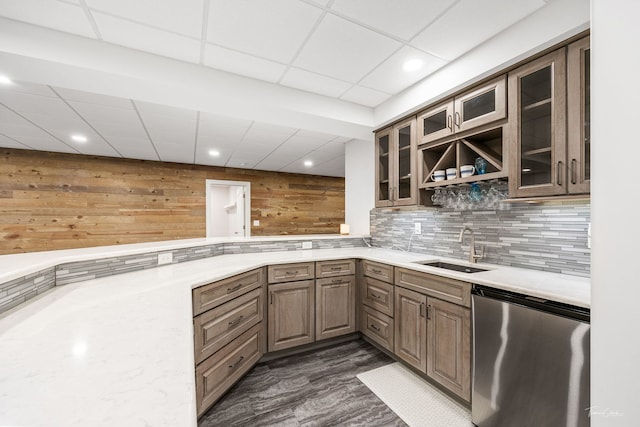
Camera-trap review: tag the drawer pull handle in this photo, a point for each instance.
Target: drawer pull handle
(291, 273)
(235, 322)
(377, 271)
(376, 296)
(374, 327)
(336, 281)
(235, 288)
(336, 268)
(235, 365)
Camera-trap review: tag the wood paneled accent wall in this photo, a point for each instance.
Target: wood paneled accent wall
(54, 201)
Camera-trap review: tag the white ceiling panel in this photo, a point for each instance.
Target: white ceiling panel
(326, 152)
(343, 50)
(312, 82)
(128, 34)
(386, 77)
(107, 115)
(133, 147)
(365, 96)
(93, 98)
(469, 23)
(183, 17)
(258, 128)
(50, 14)
(401, 18)
(243, 64)
(272, 29)
(149, 110)
(334, 167)
(18, 128)
(7, 142)
(27, 103)
(30, 88)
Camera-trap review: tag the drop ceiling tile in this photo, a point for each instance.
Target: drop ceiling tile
(261, 127)
(390, 77)
(303, 133)
(128, 34)
(365, 96)
(94, 98)
(30, 88)
(333, 168)
(312, 82)
(106, 115)
(183, 17)
(343, 50)
(182, 153)
(466, 25)
(272, 29)
(243, 64)
(16, 127)
(6, 142)
(50, 14)
(27, 103)
(133, 147)
(150, 110)
(401, 18)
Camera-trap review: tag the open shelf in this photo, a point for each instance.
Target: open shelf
(464, 151)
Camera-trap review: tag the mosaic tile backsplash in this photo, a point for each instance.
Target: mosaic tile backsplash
(549, 237)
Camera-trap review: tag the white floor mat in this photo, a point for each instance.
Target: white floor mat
(414, 400)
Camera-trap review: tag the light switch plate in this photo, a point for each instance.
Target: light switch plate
(165, 258)
(256, 223)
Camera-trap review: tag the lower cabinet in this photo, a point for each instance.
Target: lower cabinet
(335, 306)
(449, 346)
(291, 314)
(411, 328)
(378, 327)
(217, 373)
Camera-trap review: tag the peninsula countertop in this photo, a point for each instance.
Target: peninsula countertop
(119, 350)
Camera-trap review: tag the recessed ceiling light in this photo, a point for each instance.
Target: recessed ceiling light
(412, 64)
(79, 138)
(214, 153)
(5, 80)
(308, 163)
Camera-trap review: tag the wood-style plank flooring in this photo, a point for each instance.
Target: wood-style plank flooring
(318, 388)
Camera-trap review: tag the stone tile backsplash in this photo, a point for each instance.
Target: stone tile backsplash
(549, 237)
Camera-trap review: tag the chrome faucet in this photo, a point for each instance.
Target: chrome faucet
(473, 257)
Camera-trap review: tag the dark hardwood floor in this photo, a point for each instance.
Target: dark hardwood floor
(318, 388)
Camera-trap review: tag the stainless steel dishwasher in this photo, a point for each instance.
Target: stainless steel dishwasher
(530, 361)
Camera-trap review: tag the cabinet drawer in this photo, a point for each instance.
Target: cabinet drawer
(378, 271)
(343, 267)
(378, 327)
(291, 272)
(443, 288)
(216, 328)
(219, 372)
(214, 294)
(378, 295)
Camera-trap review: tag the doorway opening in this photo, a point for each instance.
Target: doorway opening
(228, 208)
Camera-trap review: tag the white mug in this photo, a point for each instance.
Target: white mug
(438, 175)
(467, 170)
(452, 173)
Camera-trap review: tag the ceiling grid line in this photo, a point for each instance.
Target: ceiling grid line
(91, 19)
(40, 127)
(279, 145)
(85, 121)
(146, 131)
(244, 135)
(16, 141)
(205, 26)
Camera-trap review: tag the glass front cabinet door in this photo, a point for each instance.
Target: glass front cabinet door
(579, 116)
(395, 171)
(484, 104)
(537, 94)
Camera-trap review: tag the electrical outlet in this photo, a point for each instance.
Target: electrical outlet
(256, 223)
(165, 258)
(417, 228)
(307, 245)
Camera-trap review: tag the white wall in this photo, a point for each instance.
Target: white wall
(359, 184)
(615, 315)
(217, 213)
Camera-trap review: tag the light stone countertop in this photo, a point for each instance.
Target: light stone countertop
(119, 350)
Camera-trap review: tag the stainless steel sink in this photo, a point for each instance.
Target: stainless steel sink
(450, 266)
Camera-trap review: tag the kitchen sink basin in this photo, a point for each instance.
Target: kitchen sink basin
(450, 266)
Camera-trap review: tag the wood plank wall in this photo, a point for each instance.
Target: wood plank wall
(54, 201)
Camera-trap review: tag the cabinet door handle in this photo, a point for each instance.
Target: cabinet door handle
(573, 171)
(270, 297)
(449, 125)
(235, 288)
(429, 310)
(458, 119)
(422, 309)
(235, 365)
(235, 322)
(374, 327)
(558, 167)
